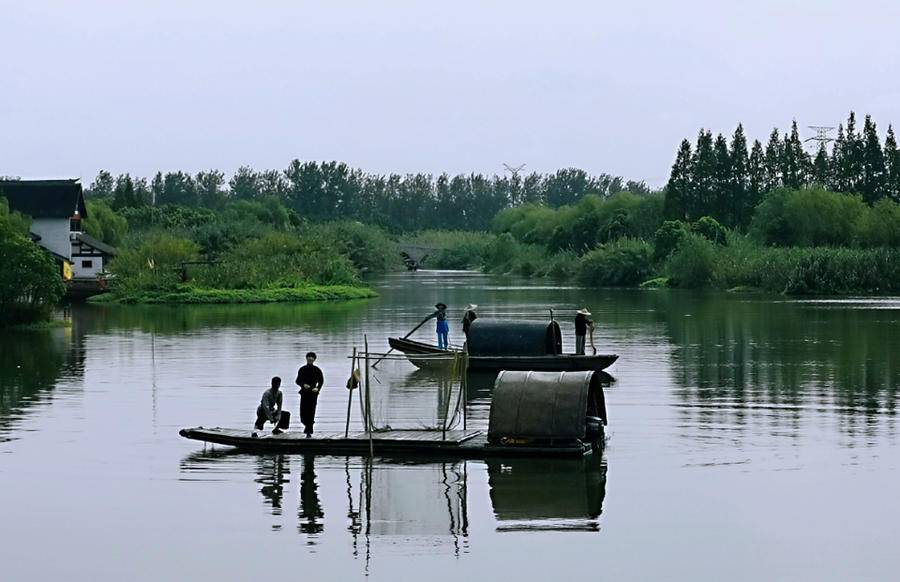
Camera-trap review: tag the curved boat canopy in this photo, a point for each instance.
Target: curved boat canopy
(545, 405)
(497, 337)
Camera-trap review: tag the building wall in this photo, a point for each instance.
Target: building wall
(54, 233)
(81, 272)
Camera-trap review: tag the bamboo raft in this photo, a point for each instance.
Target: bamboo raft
(461, 444)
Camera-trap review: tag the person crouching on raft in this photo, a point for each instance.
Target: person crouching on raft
(269, 409)
(310, 380)
(443, 327)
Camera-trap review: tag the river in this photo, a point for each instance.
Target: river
(751, 437)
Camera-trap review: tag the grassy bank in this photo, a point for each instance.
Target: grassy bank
(196, 295)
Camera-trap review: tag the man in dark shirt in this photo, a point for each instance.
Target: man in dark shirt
(310, 380)
(582, 323)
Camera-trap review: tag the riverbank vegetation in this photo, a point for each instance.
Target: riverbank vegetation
(732, 215)
(30, 285)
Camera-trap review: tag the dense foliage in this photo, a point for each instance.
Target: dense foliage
(30, 283)
(331, 191)
(727, 180)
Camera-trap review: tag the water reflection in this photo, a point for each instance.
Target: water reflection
(32, 363)
(425, 500)
(548, 494)
(746, 361)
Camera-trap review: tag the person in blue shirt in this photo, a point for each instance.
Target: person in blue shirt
(443, 326)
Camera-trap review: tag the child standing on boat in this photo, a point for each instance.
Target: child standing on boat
(443, 327)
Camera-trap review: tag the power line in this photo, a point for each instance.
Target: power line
(821, 138)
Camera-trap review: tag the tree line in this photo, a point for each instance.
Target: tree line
(333, 190)
(728, 180)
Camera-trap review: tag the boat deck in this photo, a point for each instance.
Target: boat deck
(456, 443)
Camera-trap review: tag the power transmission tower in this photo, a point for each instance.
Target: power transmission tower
(821, 138)
(514, 170)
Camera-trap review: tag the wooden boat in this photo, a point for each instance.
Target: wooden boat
(428, 356)
(502, 345)
(533, 414)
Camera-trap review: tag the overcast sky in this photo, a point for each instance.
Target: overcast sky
(410, 86)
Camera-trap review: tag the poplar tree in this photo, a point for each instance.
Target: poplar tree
(756, 180)
(838, 180)
(794, 160)
(704, 166)
(739, 177)
(892, 165)
(872, 166)
(721, 207)
(820, 167)
(851, 168)
(679, 187)
(772, 162)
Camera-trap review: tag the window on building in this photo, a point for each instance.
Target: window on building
(87, 264)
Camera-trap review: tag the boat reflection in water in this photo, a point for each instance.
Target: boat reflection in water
(391, 502)
(547, 494)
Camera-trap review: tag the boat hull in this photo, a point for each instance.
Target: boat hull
(427, 356)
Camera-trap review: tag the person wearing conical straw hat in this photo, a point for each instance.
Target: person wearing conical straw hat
(468, 317)
(582, 323)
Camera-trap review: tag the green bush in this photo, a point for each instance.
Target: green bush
(693, 263)
(105, 224)
(710, 229)
(368, 247)
(459, 249)
(667, 238)
(807, 217)
(619, 263)
(30, 281)
(880, 225)
(152, 265)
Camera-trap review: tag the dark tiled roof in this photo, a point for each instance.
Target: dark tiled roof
(44, 198)
(96, 244)
(34, 237)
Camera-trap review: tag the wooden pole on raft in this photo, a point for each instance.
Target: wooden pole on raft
(350, 386)
(465, 381)
(368, 400)
(414, 330)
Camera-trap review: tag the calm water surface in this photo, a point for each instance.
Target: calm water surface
(750, 438)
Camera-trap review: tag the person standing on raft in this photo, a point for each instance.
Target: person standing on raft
(269, 409)
(310, 380)
(468, 317)
(443, 327)
(582, 323)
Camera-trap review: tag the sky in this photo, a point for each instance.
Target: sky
(403, 87)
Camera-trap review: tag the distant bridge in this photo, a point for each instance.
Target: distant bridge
(415, 255)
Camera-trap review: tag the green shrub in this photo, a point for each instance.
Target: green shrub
(693, 263)
(710, 229)
(619, 263)
(152, 265)
(667, 238)
(880, 225)
(808, 217)
(30, 281)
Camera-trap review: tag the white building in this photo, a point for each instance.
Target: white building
(56, 208)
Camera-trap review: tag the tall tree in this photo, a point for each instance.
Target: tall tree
(873, 182)
(839, 181)
(210, 188)
(892, 165)
(821, 171)
(123, 194)
(851, 168)
(756, 182)
(720, 208)
(772, 163)
(704, 166)
(794, 160)
(102, 186)
(680, 185)
(739, 177)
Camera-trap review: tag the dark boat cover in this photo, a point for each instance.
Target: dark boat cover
(496, 337)
(544, 405)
